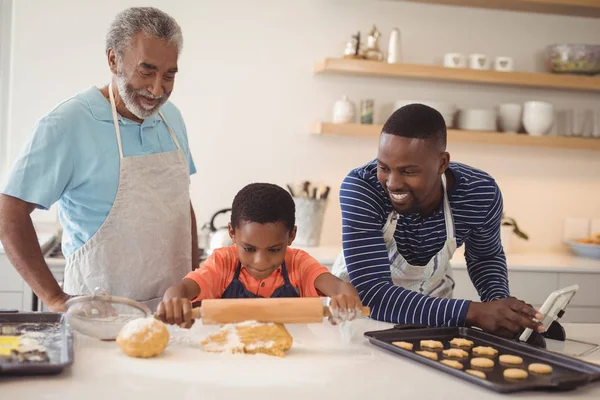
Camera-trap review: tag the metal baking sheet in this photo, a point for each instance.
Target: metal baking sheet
(49, 330)
(568, 373)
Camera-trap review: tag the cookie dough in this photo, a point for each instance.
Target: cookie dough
(403, 345)
(538, 368)
(250, 337)
(461, 342)
(482, 363)
(510, 359)
(452, 363)
(143, 337)
(428, 354)
(515, 373)
(431, 344)
(474, 372)
(456, 353)
(485, 351)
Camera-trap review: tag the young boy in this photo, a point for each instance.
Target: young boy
(259, 263)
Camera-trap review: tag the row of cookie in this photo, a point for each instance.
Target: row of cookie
(480, 362)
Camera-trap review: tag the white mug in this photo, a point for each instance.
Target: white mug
(455, 60)
(504, 64)
(479, 61)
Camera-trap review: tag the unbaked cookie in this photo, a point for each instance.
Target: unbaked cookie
(474, 372)
(482, 362)
(403, 345)
(428, 354)
(456, 353)
(452, 363)
(510, 359)
(515, 373)
(538, 368)
(485, 351)
(143, 337)
(431, 344)
(461, 342)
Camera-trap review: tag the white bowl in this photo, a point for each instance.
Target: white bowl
(538, 117)
(585, 250)
(472, 119)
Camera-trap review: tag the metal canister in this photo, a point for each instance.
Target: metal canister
(366, 111)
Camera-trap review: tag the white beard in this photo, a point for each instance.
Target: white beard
(128, 96)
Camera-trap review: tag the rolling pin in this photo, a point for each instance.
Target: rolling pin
(302, 310)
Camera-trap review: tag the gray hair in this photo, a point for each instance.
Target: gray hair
(152, 21)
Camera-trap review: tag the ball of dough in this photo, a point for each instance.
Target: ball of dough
(143, 337)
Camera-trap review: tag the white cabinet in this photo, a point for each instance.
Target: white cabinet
(534, 288)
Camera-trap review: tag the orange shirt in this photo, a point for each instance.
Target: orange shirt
(216, 273)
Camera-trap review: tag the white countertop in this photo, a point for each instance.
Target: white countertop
(318, 365)
(538, 262)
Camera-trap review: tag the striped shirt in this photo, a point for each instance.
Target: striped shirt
(476, 203)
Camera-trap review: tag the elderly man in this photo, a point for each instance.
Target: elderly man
(117, 161)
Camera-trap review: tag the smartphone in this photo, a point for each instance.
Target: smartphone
(553, 308)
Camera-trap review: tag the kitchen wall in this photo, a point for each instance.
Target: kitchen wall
(248, 95)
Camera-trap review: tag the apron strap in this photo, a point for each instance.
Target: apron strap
(115, 118)
(238, 269)
(173, 136)
(286, 277)
(448, 219)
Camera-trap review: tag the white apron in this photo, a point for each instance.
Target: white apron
(145, 243)
(433, 279)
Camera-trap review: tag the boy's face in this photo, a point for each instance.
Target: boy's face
(261, 247)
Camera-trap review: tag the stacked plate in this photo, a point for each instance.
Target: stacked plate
(472, 119)
(447, 110)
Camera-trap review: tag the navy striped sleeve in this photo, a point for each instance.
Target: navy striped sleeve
(486, 261)
(363, 217)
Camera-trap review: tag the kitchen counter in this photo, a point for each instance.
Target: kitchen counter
(318, 365)
(534, 262)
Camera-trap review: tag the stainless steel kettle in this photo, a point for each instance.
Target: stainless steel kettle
(214, 237)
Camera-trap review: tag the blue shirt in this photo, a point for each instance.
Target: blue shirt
(73, 158)
(476, 204)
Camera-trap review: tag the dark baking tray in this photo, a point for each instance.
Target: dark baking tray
(568, 373)
(51, 331)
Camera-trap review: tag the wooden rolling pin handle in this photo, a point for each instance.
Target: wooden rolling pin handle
(366, 311)
(196, 314)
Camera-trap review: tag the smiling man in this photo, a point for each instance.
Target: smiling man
(403, 216)
(117, 161)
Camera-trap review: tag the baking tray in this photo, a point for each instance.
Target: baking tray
(568, 373)
(51, 331)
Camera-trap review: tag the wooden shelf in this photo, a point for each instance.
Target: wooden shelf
(438, 73)
(581, 8)
(458, 136)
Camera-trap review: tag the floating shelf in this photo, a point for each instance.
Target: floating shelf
(438, 73)
(459, 136)
(582, 8)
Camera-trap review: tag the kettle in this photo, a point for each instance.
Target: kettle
(216, 237)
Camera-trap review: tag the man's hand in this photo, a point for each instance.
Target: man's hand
(57, 304)
(505, 317)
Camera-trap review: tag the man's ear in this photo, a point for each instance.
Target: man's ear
(292, 236)
(112, 60)
(231, 232)
(444, 162)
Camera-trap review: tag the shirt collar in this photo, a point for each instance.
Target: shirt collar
(101, 110)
